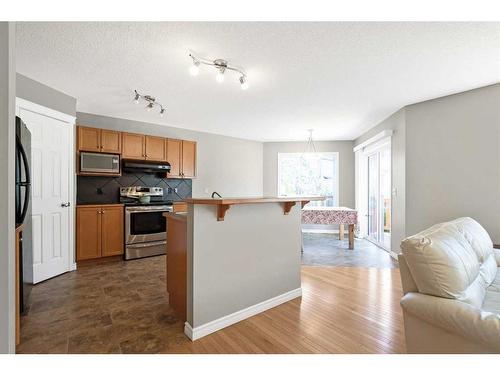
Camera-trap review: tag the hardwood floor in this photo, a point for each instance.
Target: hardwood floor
(120, 307)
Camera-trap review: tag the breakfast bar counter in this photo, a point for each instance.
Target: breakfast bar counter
(234, 257)
(223, 204)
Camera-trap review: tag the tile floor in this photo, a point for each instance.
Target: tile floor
(321, 249)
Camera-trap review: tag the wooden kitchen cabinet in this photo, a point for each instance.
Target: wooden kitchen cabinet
(156, 148)
(112, 231)
(133, 146)
(111, 141)
(179, 153)
(188, 159)
(98, 140)
(180, 207)
(182, 158)
(89, 139)
(88, 232)
(99, 231)
(174, 155)
(19, 234)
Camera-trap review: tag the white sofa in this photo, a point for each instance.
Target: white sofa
(451, 284)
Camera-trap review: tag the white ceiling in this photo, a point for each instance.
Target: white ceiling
(337, 78)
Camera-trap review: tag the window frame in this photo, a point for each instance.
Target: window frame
(336, 186)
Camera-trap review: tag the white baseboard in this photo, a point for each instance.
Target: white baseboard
(215, 325)
(72, 267)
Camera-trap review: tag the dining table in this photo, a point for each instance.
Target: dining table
(332, 216)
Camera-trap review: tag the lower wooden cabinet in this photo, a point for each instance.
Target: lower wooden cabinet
(180, 207)
(19, 233)
(99, 231)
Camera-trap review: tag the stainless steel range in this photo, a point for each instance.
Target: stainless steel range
(145, 226)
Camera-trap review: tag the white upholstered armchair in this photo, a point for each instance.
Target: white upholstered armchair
(451, 284)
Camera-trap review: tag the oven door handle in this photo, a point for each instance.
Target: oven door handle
(146, 244)
(136, 211)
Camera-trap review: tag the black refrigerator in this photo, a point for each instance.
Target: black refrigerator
(23, 209)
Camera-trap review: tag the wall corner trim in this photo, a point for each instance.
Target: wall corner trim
(375, 138)
(23, 103)
(215, 325)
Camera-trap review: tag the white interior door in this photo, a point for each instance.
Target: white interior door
(51, 158)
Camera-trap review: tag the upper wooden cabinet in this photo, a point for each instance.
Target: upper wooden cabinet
(89, 139)
(156, 148)
(188, 159)
(98, 140)
(174, 157)
(133, 146)
(111, 141)
(182, 158)
(99, 231)
(179, 153)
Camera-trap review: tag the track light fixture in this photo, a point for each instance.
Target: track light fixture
(221, 66)
(151, 102)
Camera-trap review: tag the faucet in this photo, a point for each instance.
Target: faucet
(215, 193)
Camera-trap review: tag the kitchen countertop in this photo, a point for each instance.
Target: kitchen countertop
(98, 204)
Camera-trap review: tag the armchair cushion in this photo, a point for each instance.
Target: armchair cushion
(452, 260)
(456, 317)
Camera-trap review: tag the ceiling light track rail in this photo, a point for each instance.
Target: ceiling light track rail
(151, 102)
(221, 65)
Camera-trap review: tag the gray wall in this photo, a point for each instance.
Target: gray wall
(41, 94)
(395, 122)
(346, 165)
(445, 162)
(250, 257)
(453, 160)
(7, 137)
(230, 166)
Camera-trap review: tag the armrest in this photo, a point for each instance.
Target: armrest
(497, 256)
(456, 317)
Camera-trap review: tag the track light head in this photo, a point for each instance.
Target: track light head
(243, 83)
(136, 98)
(194, 70)
(149, 107)
(162, 112)
(220, 75)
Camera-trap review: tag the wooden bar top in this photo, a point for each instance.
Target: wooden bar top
(223, 204)
(217, 201)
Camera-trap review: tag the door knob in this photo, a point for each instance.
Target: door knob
(67, 204)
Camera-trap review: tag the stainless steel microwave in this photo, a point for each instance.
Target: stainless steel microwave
(91, 162)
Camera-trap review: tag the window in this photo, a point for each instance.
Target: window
(309, 174)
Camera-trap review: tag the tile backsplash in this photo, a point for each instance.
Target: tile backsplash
(102, 189)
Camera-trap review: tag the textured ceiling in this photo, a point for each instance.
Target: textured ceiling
(337, 78)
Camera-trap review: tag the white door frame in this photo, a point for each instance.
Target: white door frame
(71, 121)
(367, 152)
(361, 181)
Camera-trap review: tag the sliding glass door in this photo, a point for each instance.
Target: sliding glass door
(379, 196)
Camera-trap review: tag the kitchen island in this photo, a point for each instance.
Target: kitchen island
(234, 257)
